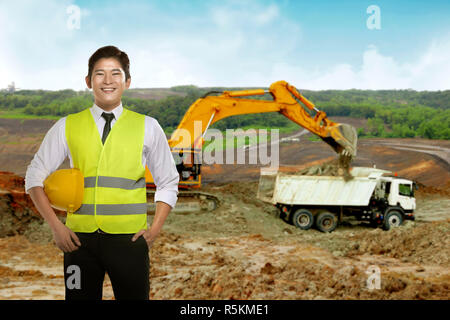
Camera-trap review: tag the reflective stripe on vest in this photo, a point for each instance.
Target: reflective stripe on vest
(113, 182)
(113, 209)
(115, 197)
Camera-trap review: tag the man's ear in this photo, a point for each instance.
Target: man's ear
(88, 82)
(127, 83)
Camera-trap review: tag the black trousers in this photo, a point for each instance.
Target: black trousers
(127, 264)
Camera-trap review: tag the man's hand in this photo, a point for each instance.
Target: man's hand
(162, 211)
(65, 239)
(148, 236)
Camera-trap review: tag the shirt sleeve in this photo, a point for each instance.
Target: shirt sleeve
(160, 163)
(51, 154)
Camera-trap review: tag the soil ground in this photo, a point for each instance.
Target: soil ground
(243, 250)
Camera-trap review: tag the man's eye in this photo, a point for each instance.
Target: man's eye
(99, 74)
(117, 74)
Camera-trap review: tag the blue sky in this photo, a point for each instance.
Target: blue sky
(312, 44)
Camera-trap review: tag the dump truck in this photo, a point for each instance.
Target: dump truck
(324, 201)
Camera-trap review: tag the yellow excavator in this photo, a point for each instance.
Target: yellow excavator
(187, 140)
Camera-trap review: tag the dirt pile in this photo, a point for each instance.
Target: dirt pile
(17, 212)
(253, 267)
(339, 167)
(426, 243)
(11, 181)
(427, 191)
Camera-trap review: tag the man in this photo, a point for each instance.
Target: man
(111, 146)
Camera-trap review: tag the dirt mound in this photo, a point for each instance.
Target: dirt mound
(17, 212)
(252, 267)
(339, 167)
(426, 191)
(424, 243)
(10, 181)
(18, 215)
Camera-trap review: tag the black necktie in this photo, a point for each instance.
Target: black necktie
(107, 128)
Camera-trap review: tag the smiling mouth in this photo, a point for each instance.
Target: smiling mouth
(108, 90)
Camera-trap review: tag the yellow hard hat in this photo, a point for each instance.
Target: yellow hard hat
(64, 189)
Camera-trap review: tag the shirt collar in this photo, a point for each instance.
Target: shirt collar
(97, 111)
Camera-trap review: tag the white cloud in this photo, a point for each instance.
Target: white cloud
(376, 72)
(267, 15)
(432, 71)
(236, 14)
(235, 46)
(37, 46)
(159, 66)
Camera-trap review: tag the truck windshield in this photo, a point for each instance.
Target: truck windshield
(405, 190)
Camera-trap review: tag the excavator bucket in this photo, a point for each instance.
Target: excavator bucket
(343, 139)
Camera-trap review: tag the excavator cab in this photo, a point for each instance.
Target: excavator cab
(188, 164)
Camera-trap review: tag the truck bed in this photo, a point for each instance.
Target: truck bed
(319, 190)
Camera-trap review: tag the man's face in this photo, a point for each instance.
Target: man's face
(107, 83)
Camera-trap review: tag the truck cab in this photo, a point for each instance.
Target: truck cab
(400, 193)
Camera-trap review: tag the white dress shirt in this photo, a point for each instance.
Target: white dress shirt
(156, 155)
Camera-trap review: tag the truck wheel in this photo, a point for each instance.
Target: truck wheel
(393, 219)
(326, 222)
(303, 219)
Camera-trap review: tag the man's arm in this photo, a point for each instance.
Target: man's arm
(165, 175)
(51, 154)
(161, 164)
(162, 211)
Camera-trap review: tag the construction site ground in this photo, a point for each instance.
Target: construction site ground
(243, 250)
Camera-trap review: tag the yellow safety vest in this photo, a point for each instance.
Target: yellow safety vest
(115, 198)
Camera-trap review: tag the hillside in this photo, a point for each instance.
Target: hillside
(389, 113)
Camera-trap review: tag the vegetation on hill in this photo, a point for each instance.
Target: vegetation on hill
(390, 113)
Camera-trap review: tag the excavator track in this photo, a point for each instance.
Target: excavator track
(188, 202)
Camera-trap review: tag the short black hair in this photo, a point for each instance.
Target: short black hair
(110, 52)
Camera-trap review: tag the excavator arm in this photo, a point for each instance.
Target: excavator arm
(187, 140)
(210, 109)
